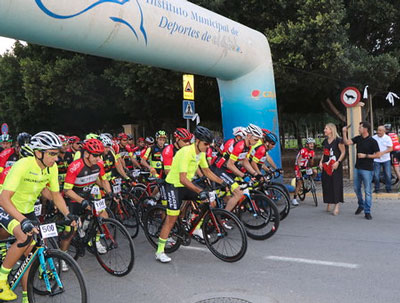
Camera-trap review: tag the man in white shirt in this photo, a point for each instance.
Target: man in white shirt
(385, 147)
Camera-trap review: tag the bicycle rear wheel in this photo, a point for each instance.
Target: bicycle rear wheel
(224, 235)
(73, 288)
(153, 222)
(128, 216)
(280, 199)
(120, 254)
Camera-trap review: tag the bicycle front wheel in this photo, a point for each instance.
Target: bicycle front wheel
(73, 286)
(280, 199)
(224, 235)
(114, 247)
(314, 193)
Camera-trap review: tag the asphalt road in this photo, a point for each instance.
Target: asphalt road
(314, 257)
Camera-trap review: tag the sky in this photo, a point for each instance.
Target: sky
(5, 43)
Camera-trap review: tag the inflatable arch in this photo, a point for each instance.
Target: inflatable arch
(172, 34)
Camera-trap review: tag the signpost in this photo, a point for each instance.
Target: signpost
(188, 108)
(4, 128)
(351, 97)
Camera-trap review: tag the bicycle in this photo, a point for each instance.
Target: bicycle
(222, 230)
(120, 255)
(308, 185)
(46, 281)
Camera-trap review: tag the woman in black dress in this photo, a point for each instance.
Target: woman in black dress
(332, 169)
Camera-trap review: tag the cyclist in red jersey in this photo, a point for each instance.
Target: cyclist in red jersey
(258, 155)
(305, 157)
(10, 154)
(74, 143)
(137, 150)
(214, 150)
(79, 184)
(125, 152)
(395, 154)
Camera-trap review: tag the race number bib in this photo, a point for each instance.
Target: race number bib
(116, 189)
(100, 205)
(48, 230)
(212, 196)
(38, 209)
(95, 190)
(309, 171)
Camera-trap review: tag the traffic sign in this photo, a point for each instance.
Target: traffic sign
(4, 128)
(188, 109)
(350, 96)
(188, 87)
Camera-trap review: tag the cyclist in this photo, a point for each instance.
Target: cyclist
(139, 148)
(23, 184)
(259, 152)
(64, 159)
(230, 166)
(214, 150)
(10, 154)
(125, 152)
(239, 133)
(304, 157)
(395, 154)
(152, 157)
(74, 143)
(79, 184)
(179, 185)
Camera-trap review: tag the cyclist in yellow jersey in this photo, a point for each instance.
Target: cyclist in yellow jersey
(179, 184)
(23, 184)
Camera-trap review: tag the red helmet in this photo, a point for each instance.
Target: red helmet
(141, 139)
(122, 136)
(74, 139)
(182, 134)
(63, 138)
(115, 147)
(93, 146)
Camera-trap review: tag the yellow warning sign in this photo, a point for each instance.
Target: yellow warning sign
(188, 87)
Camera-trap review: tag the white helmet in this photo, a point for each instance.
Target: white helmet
(239, 131)
(45, 140)
(310, 140)
(107, 142)
(254, 130)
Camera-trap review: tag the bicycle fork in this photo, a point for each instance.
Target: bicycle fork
(52, 269)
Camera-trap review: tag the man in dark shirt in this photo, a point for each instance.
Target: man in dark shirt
(367, 151)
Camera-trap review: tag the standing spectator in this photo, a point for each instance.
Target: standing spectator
(332, 169)
(367, 151)
(385, 147)
(395, 154)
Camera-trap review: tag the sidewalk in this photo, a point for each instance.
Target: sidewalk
(349, 191)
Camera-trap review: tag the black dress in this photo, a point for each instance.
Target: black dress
(332, 180)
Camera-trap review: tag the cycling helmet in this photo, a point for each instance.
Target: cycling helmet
(93, 146)
(388, 127)
(161, 134)
(115, 147)
(183, 134)
(23, 138)
(92, 136)
(239, 131)
(26, 151)
(106, 134)
(45, 140)
(141, 139)
(6, 138)
(63, 138)
(107, 142)
(310, 140)
(254, 130)
(203, 134)
(122, 136)
(269, 137)
(149, 140)
(74, 139)
(130, 137)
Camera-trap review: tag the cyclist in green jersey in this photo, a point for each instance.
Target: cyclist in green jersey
(23, 184)
(179, 184)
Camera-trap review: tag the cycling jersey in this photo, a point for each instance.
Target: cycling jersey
(62, 163)
(395, 141)
(167, 155)
(153, 155)
(212, 154)
(304, 156)
(236, 152)
(186, 161)
(109, 165)
(27, 180)
(3, 176)
(258, 153)
(81, 178)
(137, 151)
(8, 157)
(126, 154)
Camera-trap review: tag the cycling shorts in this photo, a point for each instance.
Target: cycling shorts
(228, 178)
(175, 196)
(395, 155)
(298, 172)
(9, 223)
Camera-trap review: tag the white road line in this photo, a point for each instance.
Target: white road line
(311, 261)
(194, 248)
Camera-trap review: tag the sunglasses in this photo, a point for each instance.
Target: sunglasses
(96, 155)
(206, 143)
(53, 154)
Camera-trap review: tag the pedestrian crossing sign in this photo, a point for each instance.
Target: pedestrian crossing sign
(188, 109)
(188, 87)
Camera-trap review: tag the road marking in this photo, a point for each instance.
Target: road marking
(311, 261)
(195, 248)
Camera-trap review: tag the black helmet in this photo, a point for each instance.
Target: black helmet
(23, 138)
(203, 134)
